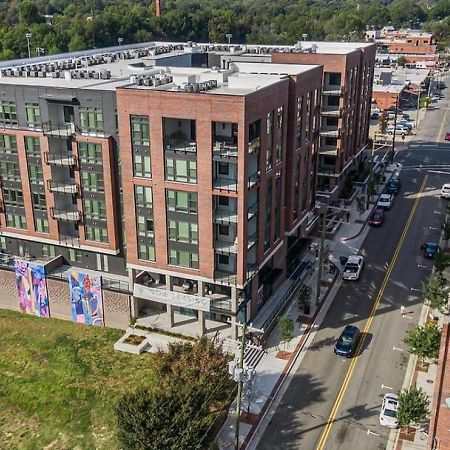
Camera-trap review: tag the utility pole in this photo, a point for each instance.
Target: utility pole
(418, 107)
(28, 36)
(322, 245)
(395, 130)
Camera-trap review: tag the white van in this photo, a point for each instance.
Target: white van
(445, 191)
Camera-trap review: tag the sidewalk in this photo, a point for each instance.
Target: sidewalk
(279, 360)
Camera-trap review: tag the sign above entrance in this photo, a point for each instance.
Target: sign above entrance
(172, 298)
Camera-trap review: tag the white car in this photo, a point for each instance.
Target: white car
(388, 413)
(399, 129)
(445, 191)
(353, 267)
(385, 201)
(405, 124)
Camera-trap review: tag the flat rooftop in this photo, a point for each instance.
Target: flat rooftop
(389, 89)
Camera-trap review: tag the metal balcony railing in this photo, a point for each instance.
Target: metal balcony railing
(252, 210)
(60, 159)
(63, 187)
(63, 130)
(225, 150)
(225, 247)
(223, 277)
(253, 179)
(225, 216)
(65, 215)
(252, 240)
(225, 184)
(181, 146)
(254, 145)
(331, 111)
(71, 241)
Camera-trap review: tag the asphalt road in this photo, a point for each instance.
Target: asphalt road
(299, 422)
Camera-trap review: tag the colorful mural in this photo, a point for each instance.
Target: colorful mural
(86, 298)
(32, 288)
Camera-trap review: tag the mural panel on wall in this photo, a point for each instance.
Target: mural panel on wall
(86, 298)
(32, 288)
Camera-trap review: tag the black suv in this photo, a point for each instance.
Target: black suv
(347, 342)
(393, 186)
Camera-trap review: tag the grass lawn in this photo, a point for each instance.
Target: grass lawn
(59, 382)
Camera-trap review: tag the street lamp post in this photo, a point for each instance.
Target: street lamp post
(324, 208)
(229, 36)
(119, 41)
(28, 36)
(395, 130)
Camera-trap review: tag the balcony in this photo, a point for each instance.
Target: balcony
(222, 277)
(60, 159)
(327, 171)
(65, 215)
(180, 146)
(254, 145)
(63, 187)
(62, 130)
(225, 184)
(330, 89)
(330, 132)
(252, 240)
(252, 210)
(225, 216)
(70, 241)
(224, 150)
(251, 270)
(253, 179)
(224, 247)
(331, 111)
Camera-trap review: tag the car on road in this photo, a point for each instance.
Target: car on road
(399, 129)
(353, 267)
(447, 136)
(347, 341)
(393, 186)
(376, 219)
(388, 413)
(430, 249)
(445, 191)
(385, 201)
(406, 124)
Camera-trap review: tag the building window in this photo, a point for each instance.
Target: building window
(90, 153)
(8, 143)
(183, 258)
(32, 146)
(13, 197)
(181, 201)
(268, 221)
(74, 255)
(298, 139)
(334, 78)
(36, 174)
(181, 170)
(48, 251)
(96, 234)
(183, 232)
(16, 221)
(142, 166)
(2, 244)
(33, 115)
(10, 171)
(143, 197)
(39, 201)
(145, 226)
(223, 168)
(91, 120)
(41, 225)
(92, 181)
(269, 149)
(146, 252)
(94, 209)
(8, 113)
(140, 130)
(223, 230)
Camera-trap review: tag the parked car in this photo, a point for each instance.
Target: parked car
(447, 136)
(353, 267)
(445, 191)
(399, 129)
(393, 186)
(347, 341)
(388, 413)
(405, 123)
(376, 219)
(375, 115)
(430, 249)
(385, 201)
(406, 116)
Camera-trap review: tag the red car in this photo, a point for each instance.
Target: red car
(447, 136)
(376, 219)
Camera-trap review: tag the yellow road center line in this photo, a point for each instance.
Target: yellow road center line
(343, 389)
(439, 135)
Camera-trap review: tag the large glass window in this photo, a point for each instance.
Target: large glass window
(10, 171)
(16, 221)
(39, 201)
(145, 226)
(90, 153)
(33, 115)
(143, 195)
(146, 252)
(41, 225)
(96, 234)
(8, 113)
(181, 201)
(92, 181)
(181, 170)
(183, 231)
(36, 174)
(8, 143)
(32, 146)
(13, 197)
(94, 209)
(140, 130)
(91, 120)
(142, 166)
(183, 258)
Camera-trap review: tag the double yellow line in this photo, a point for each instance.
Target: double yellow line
(348, 375)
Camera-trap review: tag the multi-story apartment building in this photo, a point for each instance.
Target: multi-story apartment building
(182, 187)
(346, 99)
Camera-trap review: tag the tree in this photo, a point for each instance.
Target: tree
(401, 61)
(304, 298)
(413, 406)
(434, 292)
(441, 261)
(424, 341)
(361, 205)
(285, 329)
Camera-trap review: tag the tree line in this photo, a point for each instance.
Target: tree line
(82, 24)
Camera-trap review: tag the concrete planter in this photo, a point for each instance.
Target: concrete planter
(123, 346)
(348, 201)
(362, 183)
